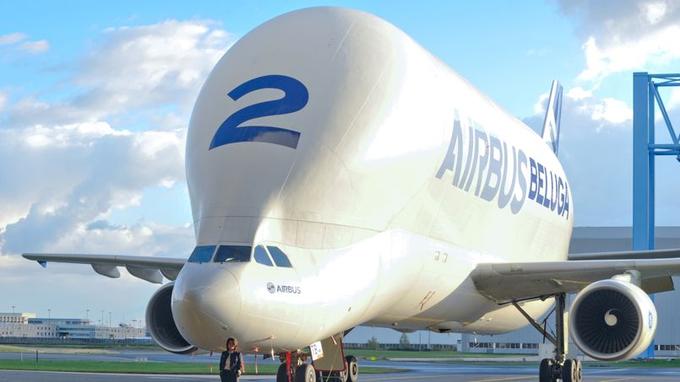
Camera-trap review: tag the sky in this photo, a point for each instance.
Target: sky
(95, 99)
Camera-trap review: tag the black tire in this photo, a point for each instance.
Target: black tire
(352, 368)
(569, 371)
(281, 374)
(545, 371)
(305, 373)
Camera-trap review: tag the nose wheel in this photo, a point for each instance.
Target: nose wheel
(294, 369)
(557, 368)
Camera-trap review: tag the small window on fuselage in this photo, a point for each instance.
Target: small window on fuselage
(202, 254)
(262, 257)
(233, 253)
(280, 258)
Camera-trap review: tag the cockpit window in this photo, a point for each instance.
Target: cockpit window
(262, 257)
(202, 254)
(280, 258)
(233, 253)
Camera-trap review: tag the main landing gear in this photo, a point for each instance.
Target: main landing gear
(294, 368)
(552, 369)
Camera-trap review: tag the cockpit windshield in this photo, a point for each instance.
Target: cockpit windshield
(233, 253)
(202, 254)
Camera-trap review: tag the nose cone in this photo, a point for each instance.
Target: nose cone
(206, 305)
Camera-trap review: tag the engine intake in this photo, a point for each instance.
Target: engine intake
(162, 325)
(612, 320)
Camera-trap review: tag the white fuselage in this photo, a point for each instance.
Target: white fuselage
(401, 179)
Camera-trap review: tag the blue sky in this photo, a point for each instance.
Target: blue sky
(83, 87)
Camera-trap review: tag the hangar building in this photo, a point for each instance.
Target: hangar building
(590, 240)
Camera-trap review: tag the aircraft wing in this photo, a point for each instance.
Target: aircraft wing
(149, 268)
(506, 282)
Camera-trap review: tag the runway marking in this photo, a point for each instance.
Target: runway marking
(502, 379)
(618, 379)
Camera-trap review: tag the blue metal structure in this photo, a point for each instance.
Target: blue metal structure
(646, 98)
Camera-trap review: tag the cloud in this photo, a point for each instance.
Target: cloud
(625, 35)
(602, 113)
(172, 57)
(35, 47)
(596, 152)
(122, 131)
(19, 40)
(71, 163)
(12, 38)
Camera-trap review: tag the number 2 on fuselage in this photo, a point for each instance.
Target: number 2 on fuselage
(295, 98)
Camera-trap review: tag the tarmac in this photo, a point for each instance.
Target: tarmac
(428, 370)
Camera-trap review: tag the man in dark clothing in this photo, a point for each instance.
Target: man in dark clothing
(231, 362)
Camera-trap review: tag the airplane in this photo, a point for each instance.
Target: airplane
(341, 175)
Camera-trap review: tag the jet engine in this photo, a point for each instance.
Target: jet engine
(612, 320)
(162, 325)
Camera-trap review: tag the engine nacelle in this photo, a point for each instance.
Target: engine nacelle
(162, 325)
(612, 320)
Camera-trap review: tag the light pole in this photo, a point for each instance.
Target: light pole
(87, 314)
(13, 306)
(49, 314)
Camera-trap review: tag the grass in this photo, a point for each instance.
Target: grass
(147, 367)
(50, 349)
(387, 354)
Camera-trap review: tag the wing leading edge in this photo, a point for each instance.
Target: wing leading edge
(149, 268)
(507, 282)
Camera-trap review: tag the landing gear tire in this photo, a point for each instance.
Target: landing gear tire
(571, 371)
(546, 370)
(352, 368)
(558, 368)
(282, 374)
(305, 373)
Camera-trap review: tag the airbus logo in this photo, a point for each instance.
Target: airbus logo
(282, 288)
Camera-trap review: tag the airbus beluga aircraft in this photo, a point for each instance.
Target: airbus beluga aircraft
(341, 175)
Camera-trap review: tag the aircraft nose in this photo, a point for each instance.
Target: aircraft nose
(206, 306)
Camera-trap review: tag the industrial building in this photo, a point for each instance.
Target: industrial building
(27, 325)
(591, 240)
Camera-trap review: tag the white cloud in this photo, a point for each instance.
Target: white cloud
(169, 62)
(35, 47)
(608, 112)
(578, 93)
(540, 105)
(611, 110)
(79, 158)
(625, 35)
(654, 11)
(658, 48)
(12, 38)
(3, 100)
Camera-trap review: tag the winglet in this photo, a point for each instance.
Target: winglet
(551, 123)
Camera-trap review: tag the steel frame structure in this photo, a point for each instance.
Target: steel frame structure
(646, 98)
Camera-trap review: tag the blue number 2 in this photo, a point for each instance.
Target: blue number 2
(295, 98)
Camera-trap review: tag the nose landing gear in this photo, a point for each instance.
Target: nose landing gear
(294, 368)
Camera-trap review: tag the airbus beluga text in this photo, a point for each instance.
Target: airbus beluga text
(340, 175)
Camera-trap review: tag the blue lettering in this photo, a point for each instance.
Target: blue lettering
(453, 154)
(495, 159)
(533, 187)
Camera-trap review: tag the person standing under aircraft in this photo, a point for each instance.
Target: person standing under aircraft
(231, 362)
